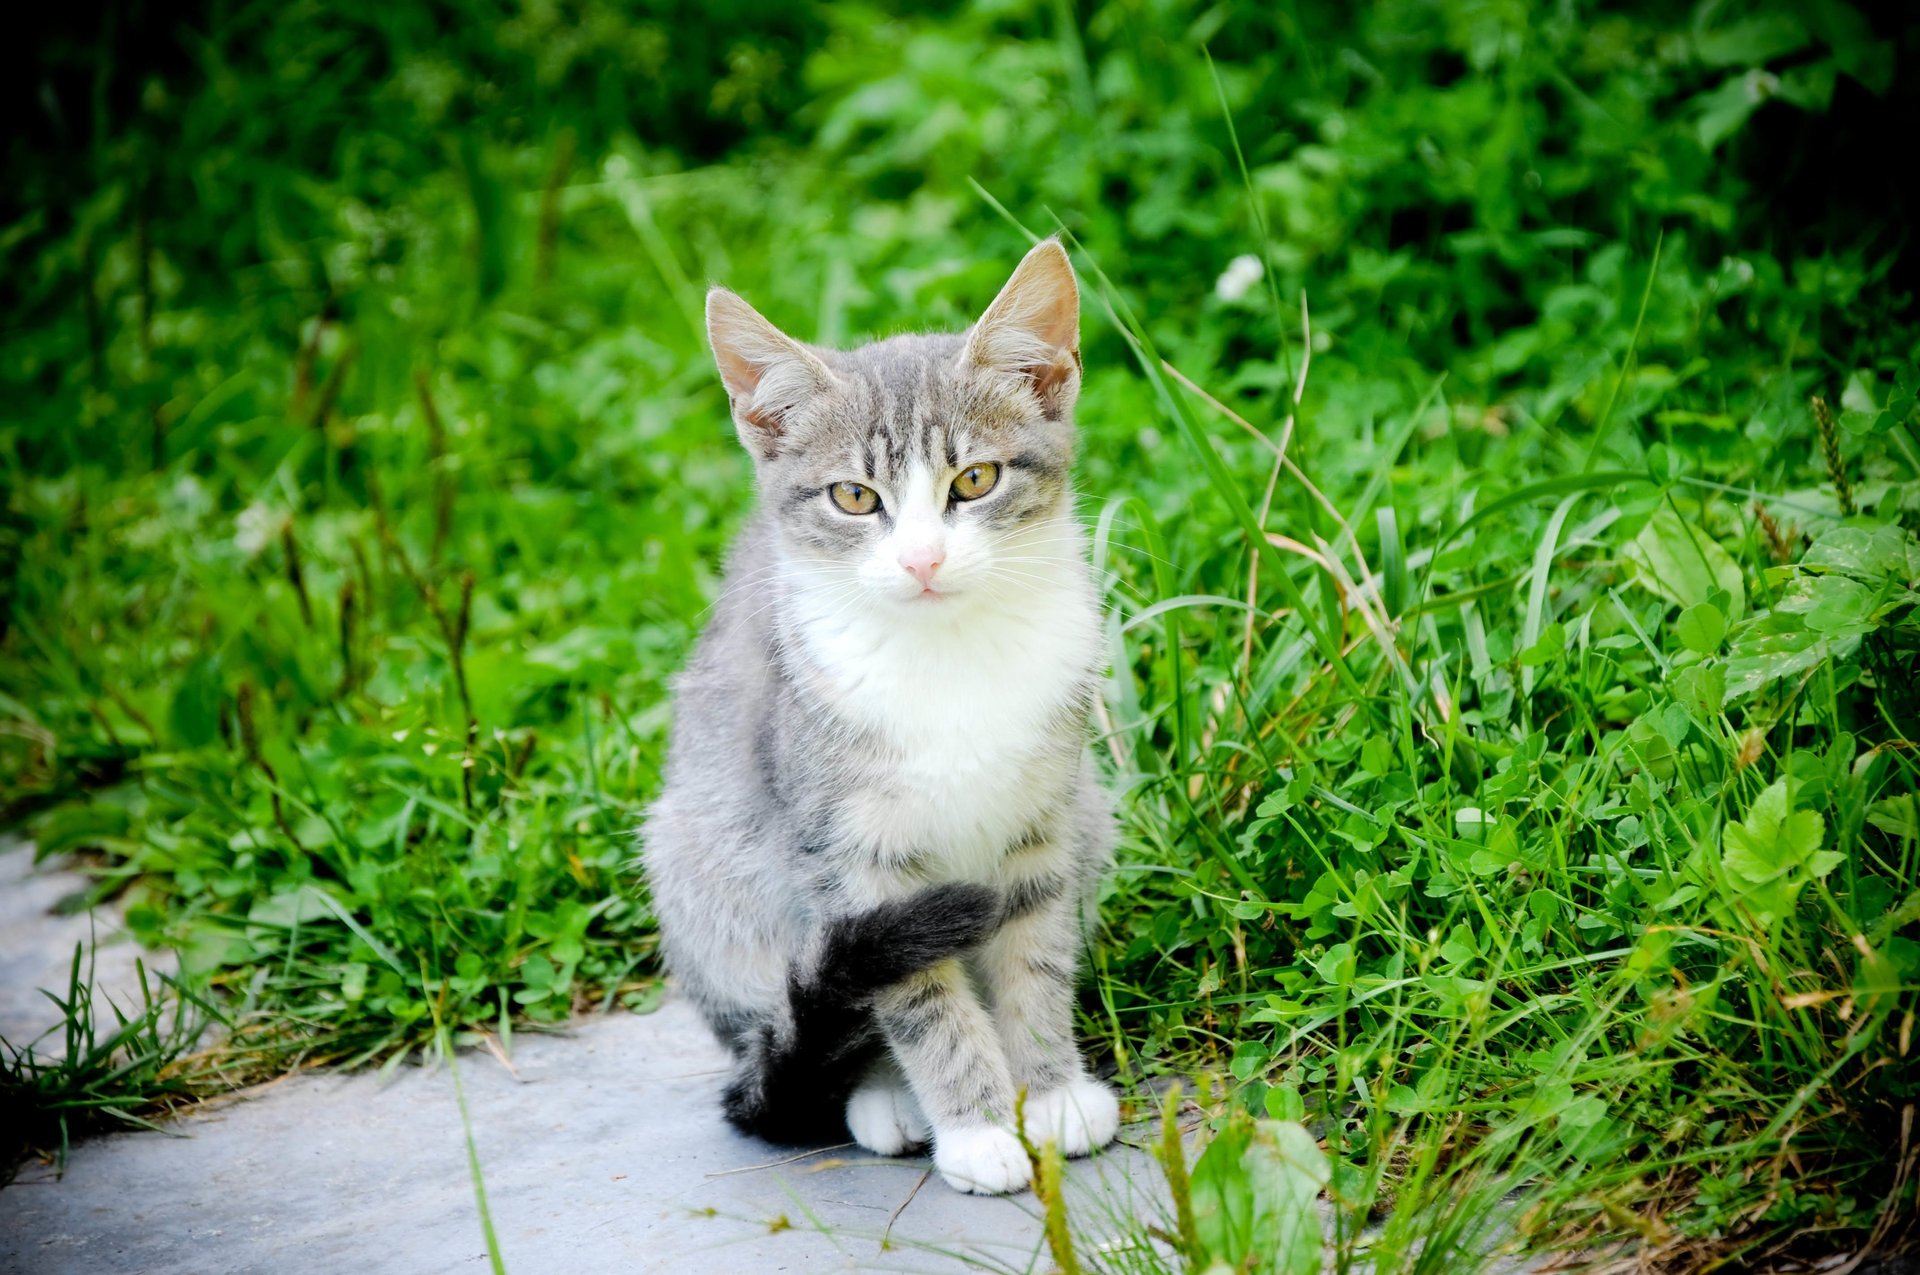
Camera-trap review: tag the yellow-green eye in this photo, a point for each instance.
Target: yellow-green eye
(855, 498)
(976, 481)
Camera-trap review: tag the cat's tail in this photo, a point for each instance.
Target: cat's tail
(793, 1079)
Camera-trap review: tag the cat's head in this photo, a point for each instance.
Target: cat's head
(917, 469)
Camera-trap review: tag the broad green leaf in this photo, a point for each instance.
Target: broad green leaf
(1553, 640)
(1723, 110)
(1224, 1205)
(1773, 839)
(1582, 1112)
(1249, 1056)
(288, 909)
(1701, 628)
(1684, 565)
(1810, 87)
(1673, 724)
(1275, 804)
(1867, 553)
(1752, 41)
(1857, 50)
(1283, 1102)
(1838, 604)
(1896, 816)
(1817, 618)
(1857, 394)
(1337, 966)
(1254, 1191)
(1461, 945)
(1589, 1140)
(1772, 650)
(1550, 1097)
(538, 971)
(1472, 823)
(1703, 688)
(1832, 606)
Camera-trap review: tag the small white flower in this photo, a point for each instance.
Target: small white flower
(191, 496)
(1241, 274)
(255, 528)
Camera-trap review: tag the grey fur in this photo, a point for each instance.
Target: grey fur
(761, 838)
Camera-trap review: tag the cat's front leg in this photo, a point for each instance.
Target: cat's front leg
(945, 1043)
(1028, 968)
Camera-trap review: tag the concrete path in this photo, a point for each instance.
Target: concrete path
(39, 926)
(602, 1150)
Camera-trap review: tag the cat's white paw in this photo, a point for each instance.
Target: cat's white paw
(983, 1159)
(884, 1118)
(1081, 1116)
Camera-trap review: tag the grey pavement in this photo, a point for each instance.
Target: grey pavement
(37, 937)
(602, 1149)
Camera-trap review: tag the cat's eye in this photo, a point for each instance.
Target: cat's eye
(976, 481)
(855, 498)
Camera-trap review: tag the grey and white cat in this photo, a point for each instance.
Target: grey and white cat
(881, 826)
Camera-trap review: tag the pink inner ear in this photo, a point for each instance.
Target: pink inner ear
(1059, 323)
(736, 373)
(1048, 381)
(764, 421)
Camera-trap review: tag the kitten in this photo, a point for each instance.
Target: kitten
(881, 826)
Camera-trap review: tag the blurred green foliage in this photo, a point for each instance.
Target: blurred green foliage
(1545, 826)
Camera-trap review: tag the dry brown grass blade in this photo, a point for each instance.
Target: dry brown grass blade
(1273, 479)
(1364, 600)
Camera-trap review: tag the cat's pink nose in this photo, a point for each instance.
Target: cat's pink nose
(921, 562)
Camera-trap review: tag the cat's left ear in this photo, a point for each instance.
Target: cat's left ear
(1033, 328)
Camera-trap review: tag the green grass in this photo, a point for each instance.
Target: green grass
(1512, 679)
(90, 1074)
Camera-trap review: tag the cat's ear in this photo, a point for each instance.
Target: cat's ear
(767, 373)
(1033, 328)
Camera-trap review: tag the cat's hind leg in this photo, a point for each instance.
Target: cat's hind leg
(882, 1115)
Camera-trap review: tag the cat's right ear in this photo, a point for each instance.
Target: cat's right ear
(767, 373)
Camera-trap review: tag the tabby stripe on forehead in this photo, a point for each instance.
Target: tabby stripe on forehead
(1034, 463)
(920, 417)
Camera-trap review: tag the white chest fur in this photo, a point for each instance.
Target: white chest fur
(970, 701)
